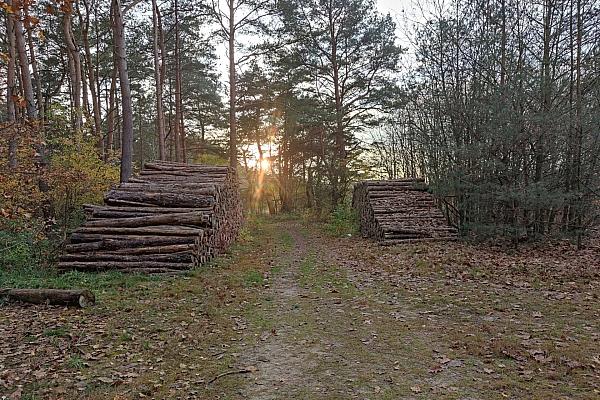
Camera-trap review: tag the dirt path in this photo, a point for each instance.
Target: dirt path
(350, 320)
(330, 338)
(293, 313)
(281, 360)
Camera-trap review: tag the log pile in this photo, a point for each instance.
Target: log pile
(399, 211)
(170, 218)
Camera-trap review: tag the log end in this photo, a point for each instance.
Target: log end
(86, 299)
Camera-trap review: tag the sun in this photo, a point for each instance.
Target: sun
(265, 164)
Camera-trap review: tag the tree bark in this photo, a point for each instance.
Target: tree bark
(92, 81)
(74, 69)
(36, 74)
(158, 67)
(193, 218)
(11, 74)
(127, 110)
(32, 112)
(110, 118)
(232, 89)
(180, 145)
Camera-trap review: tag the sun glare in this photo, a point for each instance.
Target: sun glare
(265, 164)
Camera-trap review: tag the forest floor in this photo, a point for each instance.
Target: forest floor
(294, 313)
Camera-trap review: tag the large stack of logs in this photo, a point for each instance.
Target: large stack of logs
(399, 211)
(170, 218)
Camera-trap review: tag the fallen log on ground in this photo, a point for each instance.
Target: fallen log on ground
(76, 298)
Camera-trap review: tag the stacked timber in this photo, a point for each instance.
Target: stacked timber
(398, 211)
(170, 218)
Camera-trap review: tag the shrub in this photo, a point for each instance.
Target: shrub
(23, 245)
(342, 221)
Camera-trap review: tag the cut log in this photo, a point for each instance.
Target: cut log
(117, 265)
(163, 230)
(397, 211)
(159, 199)
(192, 218)
(181, 257)
(77, 298)
(127, 241)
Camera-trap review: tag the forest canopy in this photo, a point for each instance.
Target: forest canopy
(494, 103)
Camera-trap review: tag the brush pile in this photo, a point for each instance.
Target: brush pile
(170, 218)
(399, 211)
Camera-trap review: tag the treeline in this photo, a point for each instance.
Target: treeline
(498, 110)
(502, 115)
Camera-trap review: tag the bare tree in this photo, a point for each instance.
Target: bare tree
(26, 81)
(91, 76)
(74, 66)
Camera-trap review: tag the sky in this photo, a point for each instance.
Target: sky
(400, 10)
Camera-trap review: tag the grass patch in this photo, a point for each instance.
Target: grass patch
(75, 362)
(60, 331)
(287, 240)
(50, 278)
(253, 278)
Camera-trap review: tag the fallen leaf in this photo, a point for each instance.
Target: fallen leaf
(416, 389)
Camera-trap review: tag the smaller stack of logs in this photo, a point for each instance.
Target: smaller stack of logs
(399, 211)
(170, 218)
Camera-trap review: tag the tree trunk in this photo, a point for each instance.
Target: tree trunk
(180, 145)
(32, 112)
(110, 118)
(92, 80)
(36, 74)
(11, 112)
(74, 69)
(158, 67)
(127, 110)
(232, 89)
(340, 175)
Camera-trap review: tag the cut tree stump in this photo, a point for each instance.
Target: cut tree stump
(58, 297)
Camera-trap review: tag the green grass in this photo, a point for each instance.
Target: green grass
(287, 240)
(75, 362)
(253, 278)
(50, 278)
(342, 222)
(61, 331)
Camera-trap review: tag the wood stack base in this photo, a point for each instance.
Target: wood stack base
(399, 211)
(169, 219)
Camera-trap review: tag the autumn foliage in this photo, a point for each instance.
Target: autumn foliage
(42, 193)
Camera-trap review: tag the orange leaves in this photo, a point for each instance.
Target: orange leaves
(19, 101)
(7, 8)
(30, 21)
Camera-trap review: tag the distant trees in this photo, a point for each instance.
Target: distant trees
(68, 58)
(349, 55)
(502, 114)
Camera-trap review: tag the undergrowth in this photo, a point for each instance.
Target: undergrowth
(342, 221)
